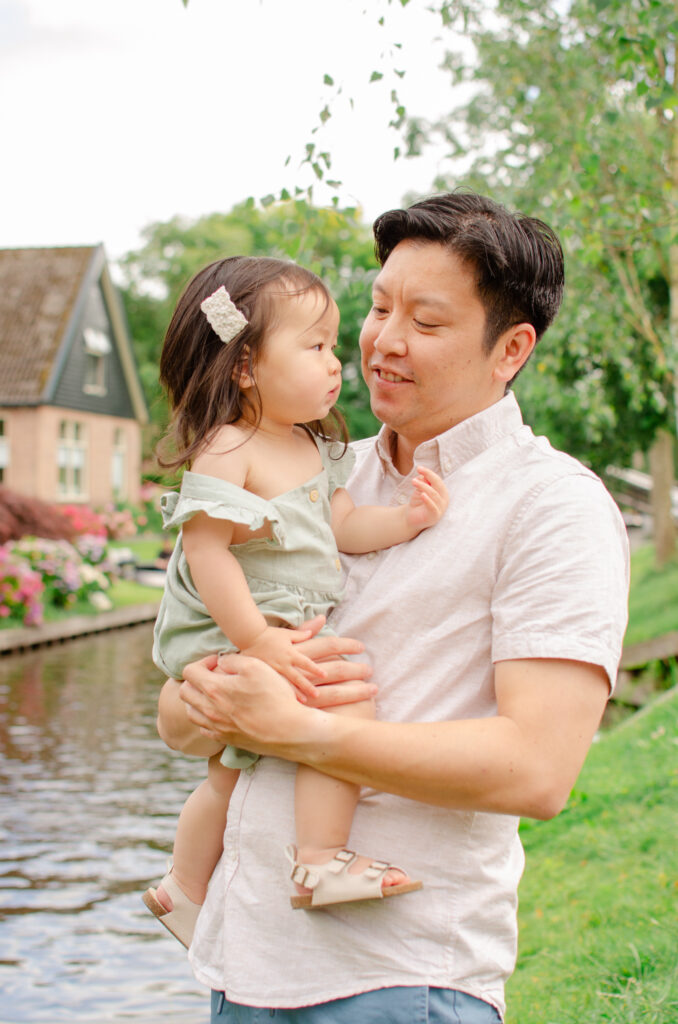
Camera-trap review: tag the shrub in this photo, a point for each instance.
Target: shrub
(21, 516)
(21, 589)
(118, 521)
(66, 577)
(94, 551)
(36, 572)
(150, 516)
(84, 521)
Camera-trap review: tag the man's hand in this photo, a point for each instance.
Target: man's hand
(239, 700)
(344, 682)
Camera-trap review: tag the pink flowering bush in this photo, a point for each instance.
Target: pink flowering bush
(21, 589)
(150, 517)
(94, 550)
(66, 578)
(84, 520)
(118, 520)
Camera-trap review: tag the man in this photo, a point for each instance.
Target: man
(494, 640)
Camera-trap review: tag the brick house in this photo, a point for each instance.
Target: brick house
(71, 404)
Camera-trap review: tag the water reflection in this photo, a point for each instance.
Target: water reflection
(88, 803)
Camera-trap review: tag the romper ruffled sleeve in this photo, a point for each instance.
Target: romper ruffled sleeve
(219, 499)
(338, 462)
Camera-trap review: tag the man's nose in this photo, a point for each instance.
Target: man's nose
(390, 337)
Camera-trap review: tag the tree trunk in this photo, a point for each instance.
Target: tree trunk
(665, 531)
(661, 468)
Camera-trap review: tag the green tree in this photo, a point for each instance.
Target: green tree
(333, 242)
(574, 119)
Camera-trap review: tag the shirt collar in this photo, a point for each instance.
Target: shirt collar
(461, 443)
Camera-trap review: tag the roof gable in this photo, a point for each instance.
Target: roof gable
(39, 289)
(44, 296)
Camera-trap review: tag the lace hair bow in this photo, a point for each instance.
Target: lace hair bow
(223, 315)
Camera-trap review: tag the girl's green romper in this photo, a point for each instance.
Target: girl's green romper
(292, 576)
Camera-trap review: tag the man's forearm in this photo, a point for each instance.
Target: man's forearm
(523, 761)
(479, 765)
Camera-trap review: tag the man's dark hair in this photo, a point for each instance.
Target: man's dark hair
(517, 261)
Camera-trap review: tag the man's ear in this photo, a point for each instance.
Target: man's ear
(512, 351)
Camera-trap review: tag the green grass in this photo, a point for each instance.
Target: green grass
(123, 594)
(598, 924)
(653, 602)
(145, 547)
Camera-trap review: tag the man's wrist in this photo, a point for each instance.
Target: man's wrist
(317, 735)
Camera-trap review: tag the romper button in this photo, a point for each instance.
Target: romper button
(337, 562)
(401, 499)
(313, 495)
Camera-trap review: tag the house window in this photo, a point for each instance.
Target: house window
(4, 452)
(119, 465)
(71, 459)
(97, 347)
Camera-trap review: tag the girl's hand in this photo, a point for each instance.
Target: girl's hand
(429, 499)
(276, 646)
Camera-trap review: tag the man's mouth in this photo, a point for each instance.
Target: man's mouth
(392, 378)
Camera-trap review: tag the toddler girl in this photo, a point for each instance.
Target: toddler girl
(249, 366)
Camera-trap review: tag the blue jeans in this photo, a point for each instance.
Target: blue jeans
(398, 1005)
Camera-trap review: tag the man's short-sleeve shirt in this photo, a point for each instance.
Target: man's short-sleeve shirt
(529, 561)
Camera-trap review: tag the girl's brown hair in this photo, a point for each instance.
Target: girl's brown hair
(200, 373)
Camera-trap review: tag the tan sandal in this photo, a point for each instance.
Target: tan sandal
(333, 883)
(181, 919)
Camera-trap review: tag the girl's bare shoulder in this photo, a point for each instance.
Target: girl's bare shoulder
(227, 455)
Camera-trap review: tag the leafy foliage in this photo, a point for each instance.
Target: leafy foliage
(21, 515)
(573, 120)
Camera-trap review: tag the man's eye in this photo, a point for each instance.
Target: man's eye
(427, 327)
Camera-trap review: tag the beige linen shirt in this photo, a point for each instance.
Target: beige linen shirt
(529, 561)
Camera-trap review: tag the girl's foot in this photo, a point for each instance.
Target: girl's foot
(306, 855)
(173, 908)
(335, 875)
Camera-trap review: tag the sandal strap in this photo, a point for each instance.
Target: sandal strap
(333, 883)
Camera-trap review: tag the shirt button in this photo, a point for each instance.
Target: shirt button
(313, 495)
(401, 499)
(371, 555)
(337, 563)
(446, 465)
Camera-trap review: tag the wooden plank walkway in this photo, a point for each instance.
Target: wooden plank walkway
(26, 637)
(662, 647)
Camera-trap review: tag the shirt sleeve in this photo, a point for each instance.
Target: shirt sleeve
(562, 586)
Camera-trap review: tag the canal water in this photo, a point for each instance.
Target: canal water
(89, 797)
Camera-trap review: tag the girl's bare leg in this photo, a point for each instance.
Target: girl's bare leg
(200, 833)
(324, 809)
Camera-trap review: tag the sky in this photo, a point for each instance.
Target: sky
(115, 114)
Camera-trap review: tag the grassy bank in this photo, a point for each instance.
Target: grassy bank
(653, 601)
(598, 925)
